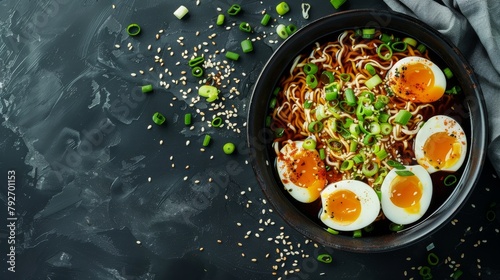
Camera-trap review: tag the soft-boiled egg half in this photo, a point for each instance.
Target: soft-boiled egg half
(301, 171)
(405, 199)
(440, 144)
(349, 205)
(417, 79)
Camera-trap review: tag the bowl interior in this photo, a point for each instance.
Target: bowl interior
(327, 28)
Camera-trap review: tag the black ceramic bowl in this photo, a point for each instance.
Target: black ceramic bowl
(328, 28)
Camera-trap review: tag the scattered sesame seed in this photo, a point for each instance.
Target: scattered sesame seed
(138, 242)
(149, 127)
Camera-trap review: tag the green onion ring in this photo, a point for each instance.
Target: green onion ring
(133, 29)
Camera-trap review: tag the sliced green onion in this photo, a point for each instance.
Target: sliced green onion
(368, 97)
(388, 51)
(454, 90)
(432, 259)
(346, 108)
(290, 29)
(234, 9)
(147, 88)
(370, 169)
(358, 159)
(331, 95)
(385, 128)
(369, 139)
(268, 121)
(447, 72)
(208, 91)
(357, 233)
(206, 140)
(421, 48)
(347, 164)
(370, 69)
(373, 82)
(311, 81)
(345, 77)
(315, 127)
(399, 46)
(386, 38)
(354, 129)
(383, 117)
(320, 112)
(187, 119)
(282, 8)
(369, 228)
(245, 27)
(325, 258)
(217, 122)
(158, 118)
(395, 227)
(279, 132)
(403, 117)
(353, 146)
(309, 144)
(332, 231)
(246, 46)
(220, 19)
(272, 103)
(375, 128)
(410, 41)
(133, 29)
(457, 274)
(327, 77)
(382, 154)
(197, 71)
(322, 154)
(181, 12)
(228, 148)
(490, 215)
(395, 164)
(196, 61)
(310, 68)
(337, 3)
(350, 98)
(425, 272)
(308, 104)
(404, 173)
(368, 33)
(265, 19)
(232, 55)
(450, 180)
(281, 31)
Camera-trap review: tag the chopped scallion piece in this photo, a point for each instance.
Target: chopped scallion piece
(373, 82)
(370, 69)
(290, 29)
(385, 128)
(246, 46)
(410, 41)
(310, 68)
(311, 81)
(399, 46)
(228, 148)
(206, 140)
(403, 117)
(432, 259)
(187, 119)
(332, 231)
(450, 180)
(315, 127)
(395, 227)
(368, 33)
(133, 29)
(347, 164)
(220, 19)
(281, 31)
(421, 48)
(245, 27)
(147, 88)
(357, 233)
(370, 169)
(322, 154)
(309, 144)
(265, 19)
(158, 118)
(217, 122)
(404, 173)
(395, 164)
(282, 8)
(234, 9)
(447, 72)
(384, 52)
(337, 3)
(350, 98)
(325, 258)
(232, 55)
(308, 104)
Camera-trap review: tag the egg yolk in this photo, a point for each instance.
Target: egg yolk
(442, 150)
(343, 207)
(305, 169)
(406, 192)
(416, 82)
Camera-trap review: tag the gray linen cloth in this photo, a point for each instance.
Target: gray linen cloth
(474, 27)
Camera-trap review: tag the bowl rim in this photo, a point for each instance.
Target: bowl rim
(258, 136)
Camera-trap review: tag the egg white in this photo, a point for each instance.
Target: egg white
(435, 124)
(370, 204)
(304, 194)
(397, 69)
(398, 214)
